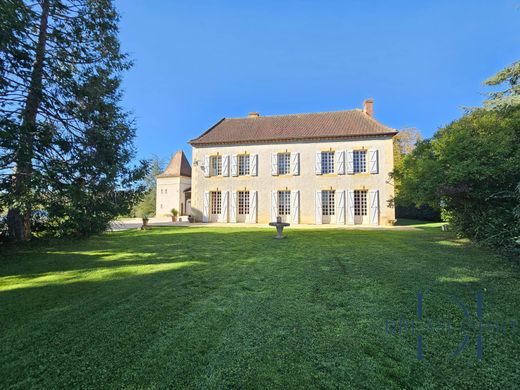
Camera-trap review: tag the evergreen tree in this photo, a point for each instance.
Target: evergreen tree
(510, 96)
(147, 206)
(66, 143)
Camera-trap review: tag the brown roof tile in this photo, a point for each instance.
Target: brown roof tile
(178, 166)
(325, 125)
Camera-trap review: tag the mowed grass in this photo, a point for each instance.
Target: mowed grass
(234, 308)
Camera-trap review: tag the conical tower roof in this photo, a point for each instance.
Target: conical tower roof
(178, 166)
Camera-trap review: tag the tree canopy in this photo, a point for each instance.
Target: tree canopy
(471, 169)
(66, 143)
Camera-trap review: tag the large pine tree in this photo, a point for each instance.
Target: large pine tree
(65, 142)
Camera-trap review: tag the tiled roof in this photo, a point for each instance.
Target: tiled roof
(325, 125)
(178, 166)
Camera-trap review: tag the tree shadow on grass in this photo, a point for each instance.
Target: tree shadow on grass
(237, 307)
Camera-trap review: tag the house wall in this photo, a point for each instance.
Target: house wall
(307, 182)
(170, 194)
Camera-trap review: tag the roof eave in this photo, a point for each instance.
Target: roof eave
(245, 142)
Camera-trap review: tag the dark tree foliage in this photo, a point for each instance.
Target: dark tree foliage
(472, 169)
(65, 142)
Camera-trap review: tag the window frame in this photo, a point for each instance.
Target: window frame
(215, 169)
(327, 161)
(243, 162)
(284, 202)
(359, 161)
(328, 198)
(216, 202)
(243, 202)
(286, 165)
(360, 203)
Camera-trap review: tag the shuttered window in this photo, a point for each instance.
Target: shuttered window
(327, 202)
(284, 202)
(243, 165)
(360, 161)
(284, 163)
(360, 202)
(243, 202)
(215, 165)
(216, 202)
(327, 162)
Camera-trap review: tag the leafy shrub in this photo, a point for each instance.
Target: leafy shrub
(471, 167)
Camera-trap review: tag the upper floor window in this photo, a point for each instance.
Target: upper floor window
(243, 202)
(215, 163)
(284, 202)
(284, 163)
(327, 162)
(360, 161)
(243, 164)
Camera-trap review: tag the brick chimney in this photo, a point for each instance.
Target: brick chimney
(253, 115)
(368, 107)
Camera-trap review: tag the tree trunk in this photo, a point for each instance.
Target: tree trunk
(19, 218)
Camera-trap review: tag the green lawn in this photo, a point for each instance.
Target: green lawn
(234, 308)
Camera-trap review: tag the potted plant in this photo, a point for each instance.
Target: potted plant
(174, 215)
(145, 221)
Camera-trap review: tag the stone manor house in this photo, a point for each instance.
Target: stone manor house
(317, 168)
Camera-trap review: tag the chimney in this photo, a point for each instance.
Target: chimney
(368, 107)
(253, 115)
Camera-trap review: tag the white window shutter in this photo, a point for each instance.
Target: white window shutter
(223, 216)
(225, 165)
(295, 207)
(274, 164)
(206, 166)
(340, 207)
(340, 162)
(373, 158)
(295, 164)
(254, 165)
(233, 209)
(234, 165)
(350, 162)
(274, 205)
(317, 168)
(252, 206)
(318, 210)
(205, 208)
(350, 207)
(374, 207)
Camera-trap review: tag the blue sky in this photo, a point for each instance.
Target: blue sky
(196, 62)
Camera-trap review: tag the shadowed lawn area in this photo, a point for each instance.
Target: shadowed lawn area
(230, 307)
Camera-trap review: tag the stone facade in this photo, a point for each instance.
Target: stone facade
(174, 187)
(342, 196)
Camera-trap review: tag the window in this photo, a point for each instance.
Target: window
(216, 202)
(284, 202)
(161, 191)
(360, 202)
(166, 190)
(215, 163)
(243, 164)
(284, 163)
(327, 202)
(360, 161)
(243, 202)
(327, 162)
